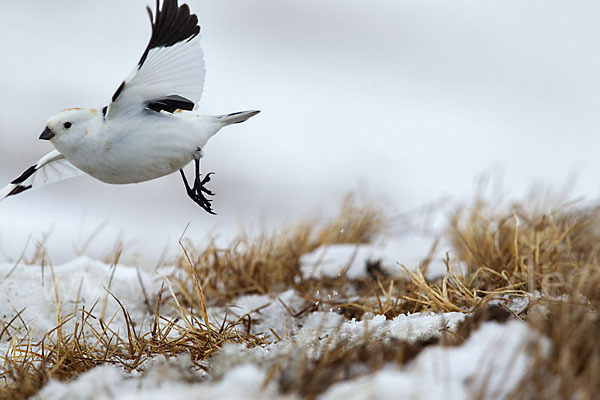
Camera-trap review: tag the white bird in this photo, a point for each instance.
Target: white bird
(147, 131)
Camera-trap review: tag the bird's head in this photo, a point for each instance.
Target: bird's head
(68, 128)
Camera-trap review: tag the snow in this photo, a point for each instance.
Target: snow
(488, 365)
(492, 359)
(267, 312)
(85, 282)
(82, 282)
(351, 259)
(106, 382)
(324, 330)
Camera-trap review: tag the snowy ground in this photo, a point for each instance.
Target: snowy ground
(490, 362)
(438, 373)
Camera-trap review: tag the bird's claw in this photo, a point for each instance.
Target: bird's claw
(199, 184)
(207, 178)
(202, 201)
(197, 193)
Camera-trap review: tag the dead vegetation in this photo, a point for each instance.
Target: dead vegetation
(549, 255)
(64, 354)
(343, 361)
(262, 265)
(552, 255)
(270, 264)
(348, 359)
(572, 324)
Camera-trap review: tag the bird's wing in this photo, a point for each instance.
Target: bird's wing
(170, 73)
(50, 168)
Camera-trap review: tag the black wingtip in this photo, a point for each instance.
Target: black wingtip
(23, 177)
(118, 91)
(19, 189)
(172, 24)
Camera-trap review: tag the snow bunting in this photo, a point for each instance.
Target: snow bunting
(147, 131)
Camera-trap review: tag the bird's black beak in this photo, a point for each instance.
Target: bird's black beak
(47, 134)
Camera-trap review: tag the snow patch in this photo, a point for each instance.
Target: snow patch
(488, 365)
(82, 282)
(110, 383)
(332, 261)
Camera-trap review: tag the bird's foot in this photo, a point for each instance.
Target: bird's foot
(199, 198)
(197, 193)
(199, 184)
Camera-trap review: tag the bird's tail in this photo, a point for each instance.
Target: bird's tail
(236, 117)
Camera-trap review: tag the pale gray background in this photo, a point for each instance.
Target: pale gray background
(409, 99)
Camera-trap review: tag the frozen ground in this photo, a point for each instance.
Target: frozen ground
(489, 363)
(85, 282)
(438, 373)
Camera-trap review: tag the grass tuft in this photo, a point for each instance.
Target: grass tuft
(547, 256)
(270, 264)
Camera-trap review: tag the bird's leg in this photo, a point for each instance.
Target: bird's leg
(190, 191)
(195, 192)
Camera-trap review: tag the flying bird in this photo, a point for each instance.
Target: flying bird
(150, 128)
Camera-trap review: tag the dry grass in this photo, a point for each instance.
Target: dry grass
(262, 265)
(570, 369)
(502, 254)
(547, 254)
(509, 248)
(552, 258)
(270, 264)
(340, 360)
(552, 254)
(63, 354)
(343, 361)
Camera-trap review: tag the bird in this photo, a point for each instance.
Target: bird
(150, 128)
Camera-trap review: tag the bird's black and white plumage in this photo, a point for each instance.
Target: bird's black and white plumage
(149, 129)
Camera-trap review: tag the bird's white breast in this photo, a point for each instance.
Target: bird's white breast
(140, 149)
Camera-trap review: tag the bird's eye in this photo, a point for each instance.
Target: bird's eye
(67, 125)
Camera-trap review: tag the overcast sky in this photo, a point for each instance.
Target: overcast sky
(412, 100)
